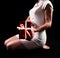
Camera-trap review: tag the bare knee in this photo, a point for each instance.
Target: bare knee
(5, 42)
(9, 47)
(16, 44)
(12, 45)
(10, 39)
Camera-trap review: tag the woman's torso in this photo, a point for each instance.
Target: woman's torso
(37, 16)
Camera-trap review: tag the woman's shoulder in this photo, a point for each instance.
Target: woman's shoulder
(45, 3)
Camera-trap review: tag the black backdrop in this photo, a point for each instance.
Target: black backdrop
(14, 11)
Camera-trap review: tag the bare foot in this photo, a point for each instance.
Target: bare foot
(46, 47)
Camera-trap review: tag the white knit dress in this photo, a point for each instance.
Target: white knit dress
(37, 16)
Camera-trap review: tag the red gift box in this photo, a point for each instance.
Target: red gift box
(25, 30)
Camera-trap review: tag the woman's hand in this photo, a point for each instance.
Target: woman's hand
(35, 30)
(28, 19)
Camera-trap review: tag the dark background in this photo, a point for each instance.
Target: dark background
(11, 12)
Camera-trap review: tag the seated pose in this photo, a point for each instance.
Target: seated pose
(41, 18)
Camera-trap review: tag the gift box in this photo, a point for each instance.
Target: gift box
(25, 30)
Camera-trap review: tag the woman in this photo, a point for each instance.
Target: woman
(41, 18)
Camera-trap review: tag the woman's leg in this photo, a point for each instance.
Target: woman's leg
(21, 44)
(16, 44)
(15, 37)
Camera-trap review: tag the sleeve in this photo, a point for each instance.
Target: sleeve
(46, 3)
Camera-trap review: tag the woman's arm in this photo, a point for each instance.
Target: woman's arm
(48, 13)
